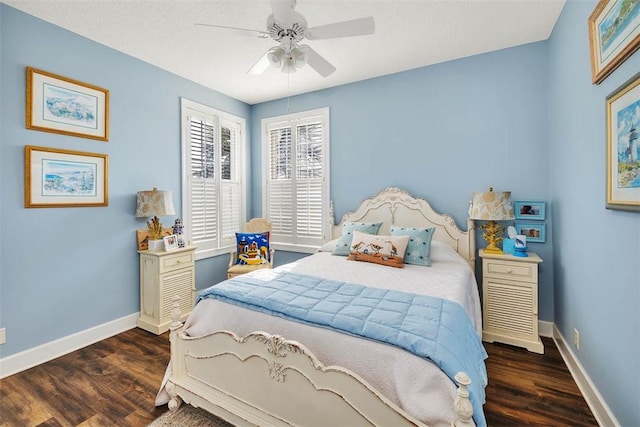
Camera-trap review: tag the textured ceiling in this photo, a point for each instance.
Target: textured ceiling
(409, 34)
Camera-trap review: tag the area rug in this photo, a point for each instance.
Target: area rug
(188, 416)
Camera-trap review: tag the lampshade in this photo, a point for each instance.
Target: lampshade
(492, 206)
(154, 202)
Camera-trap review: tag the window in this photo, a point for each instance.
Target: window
(212, 179)
(296, 179)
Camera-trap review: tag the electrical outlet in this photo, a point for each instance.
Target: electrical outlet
(3, 336)
(576, 338)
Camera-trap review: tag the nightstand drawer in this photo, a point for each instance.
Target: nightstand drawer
(177, 261)
(521, 271)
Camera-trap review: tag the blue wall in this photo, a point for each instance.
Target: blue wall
(440, 132)
(66, 270)
(597, 251)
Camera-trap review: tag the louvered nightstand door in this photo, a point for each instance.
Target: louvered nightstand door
(510, 300)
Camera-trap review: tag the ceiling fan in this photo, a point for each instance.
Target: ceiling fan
(289, 28)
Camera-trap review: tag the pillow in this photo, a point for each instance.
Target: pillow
(252, 248)
(419, 244)
(441, 252)
(385, 250)
(344, 241)
(329, 246)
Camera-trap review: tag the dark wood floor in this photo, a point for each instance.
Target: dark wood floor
(114, 383)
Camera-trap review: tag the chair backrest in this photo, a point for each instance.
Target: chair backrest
(258, 225)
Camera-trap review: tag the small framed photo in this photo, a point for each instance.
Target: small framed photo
(61, 105)
(535, 232)
(63, 178)
(529, 210)
(170, 242)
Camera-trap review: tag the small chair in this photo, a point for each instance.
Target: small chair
(256, 225)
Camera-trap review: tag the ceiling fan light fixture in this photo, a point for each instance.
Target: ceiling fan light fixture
(300, 56)
(276, 57)
(289, 66)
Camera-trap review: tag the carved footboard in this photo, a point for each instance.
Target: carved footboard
(266, 380)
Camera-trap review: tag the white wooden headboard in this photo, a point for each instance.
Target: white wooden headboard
(393, 206)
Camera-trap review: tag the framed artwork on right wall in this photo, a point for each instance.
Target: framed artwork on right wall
(614, 35)
(623, 146)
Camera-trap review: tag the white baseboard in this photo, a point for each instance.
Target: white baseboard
(601, 411)
(43, 353)
(545, 329)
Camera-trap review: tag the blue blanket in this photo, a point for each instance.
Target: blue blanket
(430, 327)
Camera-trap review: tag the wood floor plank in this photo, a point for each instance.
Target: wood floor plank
(115, 381)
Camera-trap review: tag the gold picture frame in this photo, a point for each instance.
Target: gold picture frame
(623, 146)
(614, 35)
(55, 178)
(69, 107)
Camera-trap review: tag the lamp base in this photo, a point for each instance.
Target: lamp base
(156, 245)
(492, 231)
(494, 251)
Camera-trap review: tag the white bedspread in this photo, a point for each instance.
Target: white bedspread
(415, 384)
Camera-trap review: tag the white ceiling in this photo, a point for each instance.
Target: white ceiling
(409, 34)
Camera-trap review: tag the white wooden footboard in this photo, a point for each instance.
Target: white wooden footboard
(266, 380)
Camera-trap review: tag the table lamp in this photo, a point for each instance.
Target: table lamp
(492, 206)
(154, 203)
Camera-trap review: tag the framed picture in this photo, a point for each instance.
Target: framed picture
(56, 178)
(535, 232)
(529, 210)
(170, 242)
(142, 237)
(614, 34)
(69, 107)
(623, 146)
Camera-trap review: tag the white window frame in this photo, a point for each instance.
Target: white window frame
(211, 248)
(298, 244)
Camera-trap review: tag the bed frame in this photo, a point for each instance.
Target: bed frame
(264, 379)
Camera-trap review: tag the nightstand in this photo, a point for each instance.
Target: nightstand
(163, 275)
(510, 300)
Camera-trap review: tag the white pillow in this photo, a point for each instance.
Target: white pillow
(329, 246)
(441, 252)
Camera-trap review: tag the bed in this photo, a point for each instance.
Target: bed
(250, 367)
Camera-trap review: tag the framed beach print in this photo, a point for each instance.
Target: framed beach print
(61, 105)
(62, 178)
(529, 210)
(623, 146)
(614, 34)
(535, 232)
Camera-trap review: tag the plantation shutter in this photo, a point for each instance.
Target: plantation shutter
(203, 220)
(280, 184)
(229, 183)
(296, 185)
(213, 192)
(309, 174)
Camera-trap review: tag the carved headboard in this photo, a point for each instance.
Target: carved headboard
(393, 206)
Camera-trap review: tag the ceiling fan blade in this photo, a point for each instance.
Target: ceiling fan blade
(318, 63)
(283, 11)
(258, 33)
(354, 27)
(260, 65)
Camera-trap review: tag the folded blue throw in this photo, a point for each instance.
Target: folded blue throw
(430, 327)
